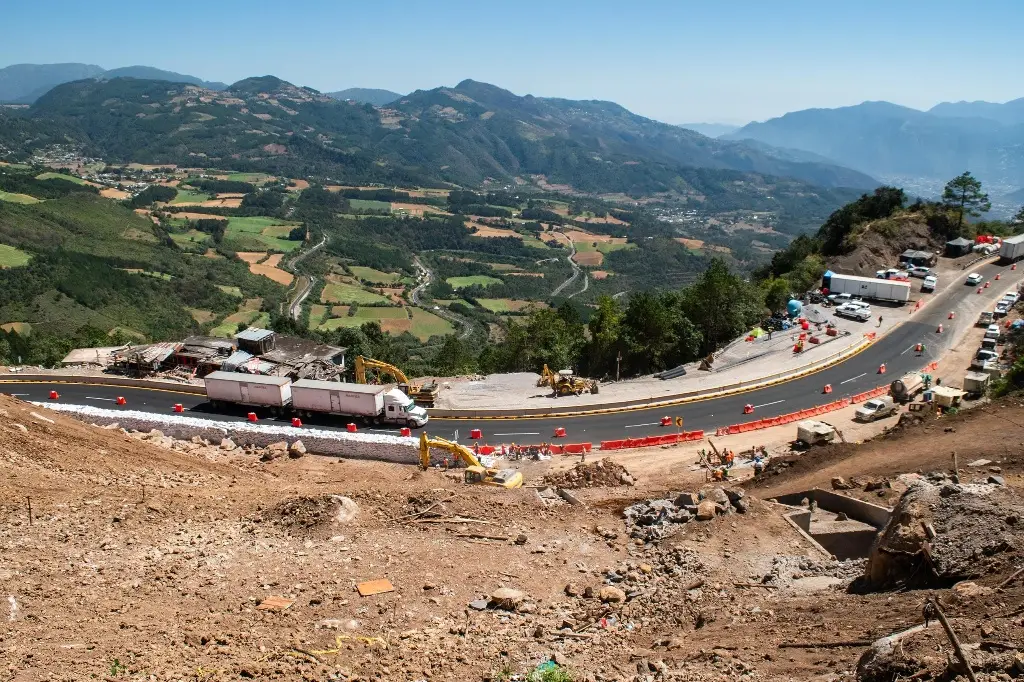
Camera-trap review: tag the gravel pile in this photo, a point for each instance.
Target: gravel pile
(653, 519)
(600, 474)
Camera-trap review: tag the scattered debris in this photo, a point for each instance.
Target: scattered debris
(275, 603)
(652, 520)
(599, 474)
(372, 587)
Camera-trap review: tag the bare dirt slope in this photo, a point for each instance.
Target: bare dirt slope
(148, 563)
(880, 243)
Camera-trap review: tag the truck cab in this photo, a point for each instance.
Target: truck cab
(400, 409)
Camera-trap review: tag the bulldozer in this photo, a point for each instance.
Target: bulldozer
(476, 473)
(421, 394)
(565, 382)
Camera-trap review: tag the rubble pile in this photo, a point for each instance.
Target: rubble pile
(653, 519)
(943, 531)
(216, 450)
(600, 474)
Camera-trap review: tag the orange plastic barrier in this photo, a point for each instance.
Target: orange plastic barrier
(611, 445)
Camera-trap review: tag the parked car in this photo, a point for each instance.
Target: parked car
(854, 311)
(919, 271)
(1012, 298)
(973, 279)
(1001, 309)
(876, 408)
(983, 358)
(839, 299)
(986, 318)
(929, 283)
(992, 331)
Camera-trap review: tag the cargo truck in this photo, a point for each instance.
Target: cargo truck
(867, 287)
(254, 390)
(907, 387)
(1012, 248)
(369, 403)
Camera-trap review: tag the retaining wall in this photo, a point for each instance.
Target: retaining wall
(865, 512)
(317, 441)
(127, 382)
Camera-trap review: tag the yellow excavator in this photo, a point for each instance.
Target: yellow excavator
(476, 473)
(421, 394)
(565, 382)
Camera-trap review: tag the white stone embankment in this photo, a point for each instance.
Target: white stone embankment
(373, 446)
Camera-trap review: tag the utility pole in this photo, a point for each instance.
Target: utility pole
(618, 360)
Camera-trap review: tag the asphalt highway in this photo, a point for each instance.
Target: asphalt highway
(854, 375)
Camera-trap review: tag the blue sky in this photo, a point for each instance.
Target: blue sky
(674, 61)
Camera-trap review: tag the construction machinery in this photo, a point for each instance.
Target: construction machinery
(422, 394)
(476, 473)
(565, 382)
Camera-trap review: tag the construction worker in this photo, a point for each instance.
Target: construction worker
(503, 450)
(758, 465)
(476, 448)
(446, 463)
(879, 320)
(730, 456)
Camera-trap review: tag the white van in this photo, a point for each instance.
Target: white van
(929, 283)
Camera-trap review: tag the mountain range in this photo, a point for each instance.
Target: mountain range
(711, 129)
(374, 96)
(25, 83)
(897, 143)
(467, 135)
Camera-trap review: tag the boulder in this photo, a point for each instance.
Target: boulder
(718, 496)
(506, 598)
(347, 509)
(684, 500)
(840, 483)
(611, 595)
(997, 480)
(706, 510)
(735, 494)
(280, 446)
(296, 449)
(227, 444)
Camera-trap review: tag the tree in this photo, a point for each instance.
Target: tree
(1018, 220)
(963, 194)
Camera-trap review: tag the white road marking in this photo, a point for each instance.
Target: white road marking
(17, 394)
(852, 379)
(633, 426)
(767, 404)
(109, 400)
(515, 434)
(909, 349)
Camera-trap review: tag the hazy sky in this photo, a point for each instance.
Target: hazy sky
(676, 61)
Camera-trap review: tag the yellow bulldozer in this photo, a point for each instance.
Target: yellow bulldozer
(476, 473)
(565, 382)
(370, 371)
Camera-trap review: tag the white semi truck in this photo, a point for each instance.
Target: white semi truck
(867, 287)
(1012, 248)
(376, 404)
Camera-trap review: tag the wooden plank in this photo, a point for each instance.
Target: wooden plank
(371, 587)
(275, 603)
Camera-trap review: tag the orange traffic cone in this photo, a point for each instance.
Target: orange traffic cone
(881, 368)
(939, 330)
(951, 315)
(748, 409)
(828, 388)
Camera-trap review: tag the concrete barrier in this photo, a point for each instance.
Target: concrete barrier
(126, 382)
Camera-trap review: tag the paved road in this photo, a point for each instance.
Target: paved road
(295, 309)
(576, 272)
(444, 313)
(859, 373)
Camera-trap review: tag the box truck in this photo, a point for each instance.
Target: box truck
(248, 389)
(867, 287)
(1012, 248)
(374, 404)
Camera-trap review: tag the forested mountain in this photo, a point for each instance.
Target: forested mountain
(890, 141)
(462, 135)
(711, 129)
(25, 83)
(374, 96)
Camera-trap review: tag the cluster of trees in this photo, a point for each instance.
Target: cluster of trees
(151, 195)
(216, 186)
(54, 188)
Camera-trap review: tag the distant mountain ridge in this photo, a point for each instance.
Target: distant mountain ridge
(890, 141)
(711, 129)
(374, 96)
(25, 83)
(468, 135)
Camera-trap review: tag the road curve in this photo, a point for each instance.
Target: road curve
(855, 375)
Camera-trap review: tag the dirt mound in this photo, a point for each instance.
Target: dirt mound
(598, 474)
(308, 513)
(942, 532)
(879, 244)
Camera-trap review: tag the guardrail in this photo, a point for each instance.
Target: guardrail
(664, 401)
(126, 382)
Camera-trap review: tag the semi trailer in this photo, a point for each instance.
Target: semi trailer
(371, 404)
(867, 287)
(1012, 248)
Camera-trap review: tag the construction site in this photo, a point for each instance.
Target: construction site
(134, 554)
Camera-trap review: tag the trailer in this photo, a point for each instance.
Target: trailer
(867, 287)
(253, 390)
(907, 387)
(1012, 248)
(976, 384)
(367, 402)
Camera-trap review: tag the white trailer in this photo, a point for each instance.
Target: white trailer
(867, 287)
(248, 389)
(1012, 248)
(374, 404)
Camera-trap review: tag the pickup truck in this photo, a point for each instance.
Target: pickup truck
(855, 312)
(876, 408)
(986, 318)
(983, 358)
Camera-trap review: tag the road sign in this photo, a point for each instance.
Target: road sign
(679, 422)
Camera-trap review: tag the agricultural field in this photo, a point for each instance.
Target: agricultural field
(193, 240)
(188, 196)
(471, 280)
(373, 276)
(426, 324)
(201, 316)
(508, 305)
(446, 302)
(339, 292)
(608, 247)
(369, 205)
(248, 313)
(254, 178)
(14, 198)
(420, 323)
(19, 328)
(11, 257)
(269, 269)
(261, 229)
(62, 176)
(114, 193)
(230, 291)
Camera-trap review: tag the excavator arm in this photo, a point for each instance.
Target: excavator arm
(362, 364)
(475, 473)
(461, 452)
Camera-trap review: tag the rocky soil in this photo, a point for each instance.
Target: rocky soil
(149, 558)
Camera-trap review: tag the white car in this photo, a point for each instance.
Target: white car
(1001, 309)
(854, 311)
(929, 283)
(840, 298)
(1011, 298)
(992, 331)
(973, 279)
(919, 271)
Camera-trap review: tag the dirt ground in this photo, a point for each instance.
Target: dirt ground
(144, 563)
